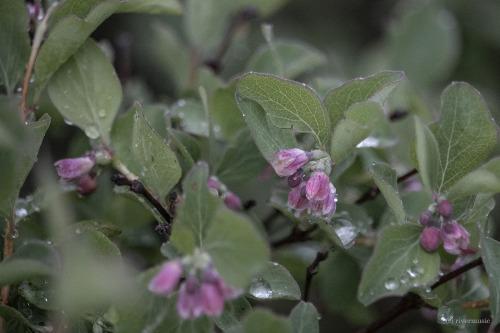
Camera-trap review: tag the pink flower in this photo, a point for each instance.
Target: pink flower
(445, 209)
(287, 162)
(455, 237)
(190, 302)
(297, 198)
(232, 201)
(213, 183)
(430, 239)
(318, 186)
(212, 300)
(326, 206)
(167, 279)
(72, 168)
(87, 184)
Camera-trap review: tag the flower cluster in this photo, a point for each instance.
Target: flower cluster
(80, 170)
(439, 226)
(231, 200)
(308, 176)
(202, 291)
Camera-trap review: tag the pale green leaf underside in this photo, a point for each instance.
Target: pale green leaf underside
(386, 180)
(465, 133)
(427, 156)
(151, 7)
(304, 318)
(288, 104)
(491, 258)
(398, 264)
(86, 91)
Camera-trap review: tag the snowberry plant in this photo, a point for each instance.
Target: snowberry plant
(194, 211)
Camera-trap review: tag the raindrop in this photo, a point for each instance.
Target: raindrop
(415, 271)
(445, 314)
(102, 113)
(260, 289)
(391, 284)
(21, 212)
(45, 299)
(404, 279)
(15, 234)
(49, 243)
(92, 132)
(181, 102)
(78, 231)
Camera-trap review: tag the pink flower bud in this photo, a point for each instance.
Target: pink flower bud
(287, 162)
(445, 209)
(318, 186)
(295, 179)
(455, 237)
(213, 183)
(430, 239)
(190, 303)
(232, 201)
(425, 218)
(87, 184)
(167, 279)
(212, 300)
(72, 168)
(297, 199)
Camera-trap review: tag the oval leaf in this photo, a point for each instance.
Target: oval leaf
(386, 180)
(288, 104)
(427, 155)
(491, 258)
(466, 133)
(275, 282)
(484, 180)
(304, 318)
(398, 264)
(87, 92)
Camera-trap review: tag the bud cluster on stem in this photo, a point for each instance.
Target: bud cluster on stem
(202, 291)
(439, 226)
(81, 171)
(308, 176)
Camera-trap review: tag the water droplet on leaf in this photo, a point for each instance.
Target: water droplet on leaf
(391, 284)
(260, 289)
(92, 132)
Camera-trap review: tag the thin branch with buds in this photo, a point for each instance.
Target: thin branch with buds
(313, 270)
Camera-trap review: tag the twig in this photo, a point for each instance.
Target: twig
(242, 17)
(137, 187)
(297, 235)
(412, 301)
(484, 303)
(313, 270)
(374, 190)
(8, 248)
(37, 42)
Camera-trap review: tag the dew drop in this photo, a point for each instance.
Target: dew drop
(45, 299)
(415, 271)
(260, 289)
(391, 284)
(445, 314)
(92, 132)
(15, 234)
(181, 102)
(21, 212)
(78, 231)
(404, 279)
(102, 113)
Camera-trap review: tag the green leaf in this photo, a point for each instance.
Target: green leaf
(268, 138)
(39, 292)
(191, 116)
(18, 152)
(196, 212)
(259, 321)
(295, 59)
(11, 314)
(15, 43)
(425, 43)
(427, 156)
(32, 259)
(68, 34)
(151, 7)
(484, 180)
(230, 319)
(87, 92)
(238, 165)
(225, 112)
(491, 258)
(360, 121)
(398, 264)
(376, 88)
(304, 318)
(237, 250)
(146, 154)
(386, 180)
(181, 141)
(274, 282)
(287, 104)
(466, 133)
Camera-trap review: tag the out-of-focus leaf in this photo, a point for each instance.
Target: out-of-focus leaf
(296, 59)
(491, 258)
(268, 138)
(232, 315)
(15, 42)
(376, 88)
(287, 104)
(304, 318)
(386, 180)
(18, 151)
(191, 116)
(274, 282)
(225, 112)
(398, 264)
(8, 314)
(69, 33)
(466, 133)
(87, 92)
(427, 156)
(259, 321)
(237, 249)
(360, 121)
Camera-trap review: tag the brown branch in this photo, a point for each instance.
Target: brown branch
(8, 248)
(313, 270)
(374, 190)
(297, 235)
(411, 301)
(484, 303)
